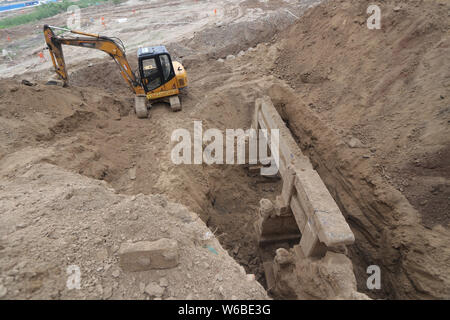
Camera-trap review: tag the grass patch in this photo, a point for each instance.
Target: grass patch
(48, 10)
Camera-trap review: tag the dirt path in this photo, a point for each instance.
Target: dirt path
(141, 23)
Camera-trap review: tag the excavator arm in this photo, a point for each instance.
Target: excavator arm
(111, 46)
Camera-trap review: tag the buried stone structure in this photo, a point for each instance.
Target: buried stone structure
(306, 212)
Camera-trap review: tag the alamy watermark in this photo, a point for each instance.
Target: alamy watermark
(374, 20)
(73, 277)
(74, 19)
(374, 280)
(240, 147)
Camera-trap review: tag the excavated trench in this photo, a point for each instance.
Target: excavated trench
(109, 143)
(226, 197)
(233, 209)
(133, 156)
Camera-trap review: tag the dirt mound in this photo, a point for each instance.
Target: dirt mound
(329, 278)
(371, 110)
(61, 219)
(37, 112)
(102, 74)
(223, 40)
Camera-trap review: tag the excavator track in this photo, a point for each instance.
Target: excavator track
(175, 104)
(140, 107)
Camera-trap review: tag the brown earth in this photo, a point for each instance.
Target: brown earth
(389, 110)
(95, 133)
(371, 109)
(53, 219)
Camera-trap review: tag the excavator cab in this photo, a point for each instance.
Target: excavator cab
(155, 67)
(160, 76)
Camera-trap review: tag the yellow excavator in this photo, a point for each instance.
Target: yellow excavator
(158, 77)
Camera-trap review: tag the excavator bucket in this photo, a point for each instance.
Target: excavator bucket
(140, 106)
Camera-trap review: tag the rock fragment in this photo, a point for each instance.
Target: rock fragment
(147, 255)
(154, 290)
(163, 282)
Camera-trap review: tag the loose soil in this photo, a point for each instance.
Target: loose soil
(376, 129)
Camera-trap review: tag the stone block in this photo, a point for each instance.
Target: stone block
(147, 255)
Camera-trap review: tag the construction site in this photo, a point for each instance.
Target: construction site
(93, 206)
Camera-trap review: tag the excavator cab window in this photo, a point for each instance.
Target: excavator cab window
(155, 67)
(151, 76)
(166, 66)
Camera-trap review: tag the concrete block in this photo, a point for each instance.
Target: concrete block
(299, 214)
(288, 186)
(310, 244)
(147, 255)
(270, 276)
(251, 148)
(289, 152)
(298, 253)
(320, 207)
(255, 120)
(281, 208)
(254, 171)
(313, 201)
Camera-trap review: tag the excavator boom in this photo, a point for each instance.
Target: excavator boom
(111, 46)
